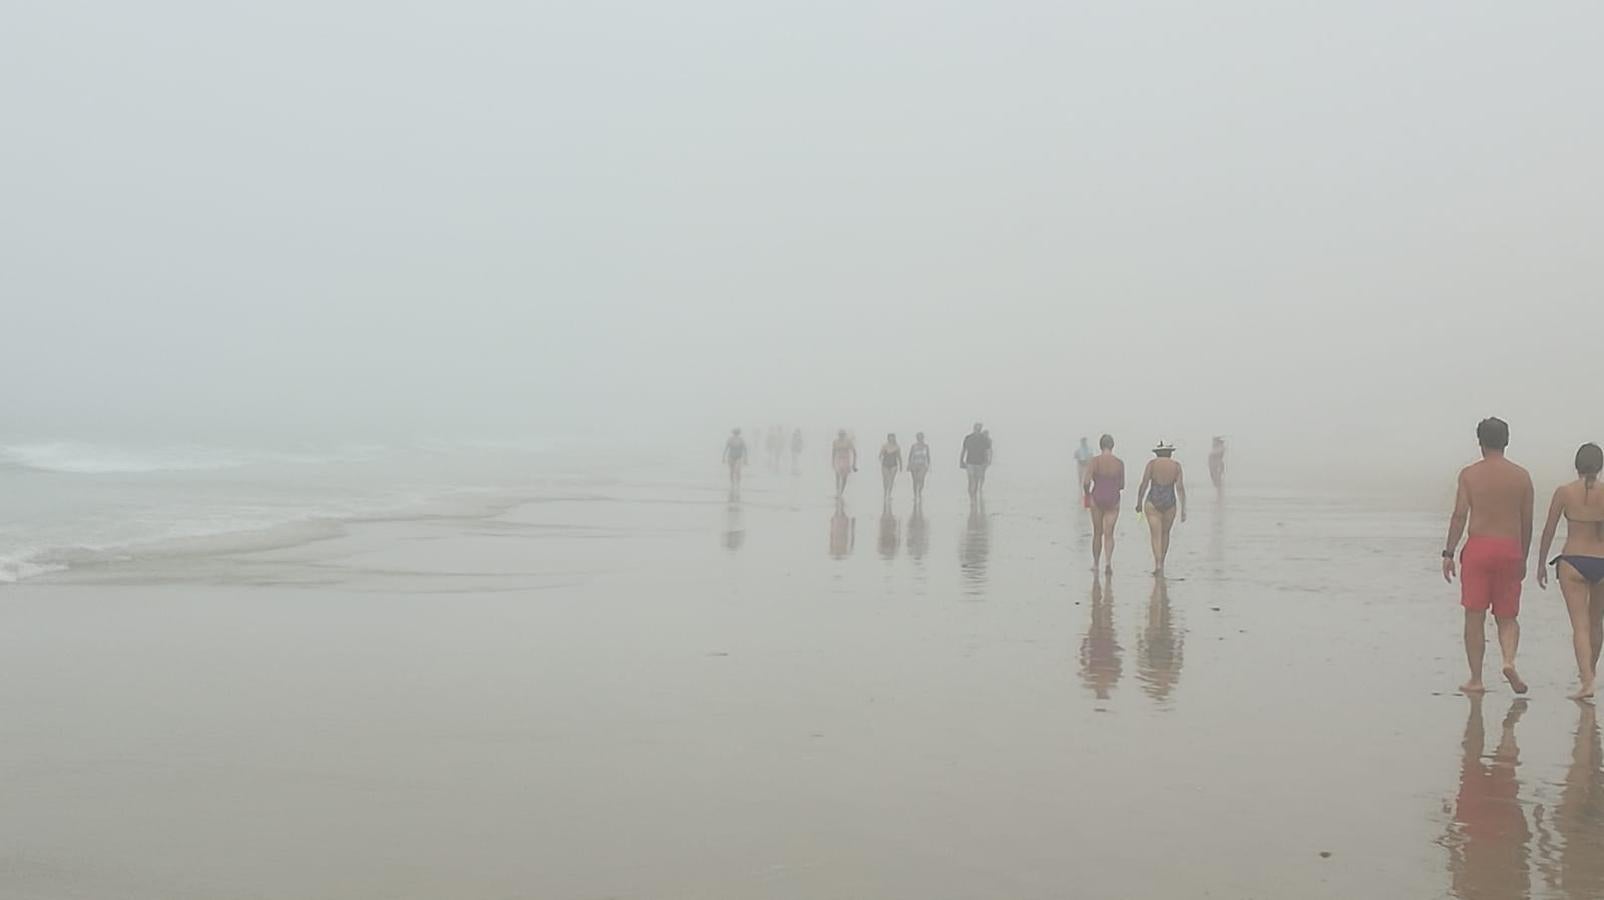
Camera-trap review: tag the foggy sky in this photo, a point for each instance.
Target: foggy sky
(1367, 222)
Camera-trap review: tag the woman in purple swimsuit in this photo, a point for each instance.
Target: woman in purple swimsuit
(1105, 478)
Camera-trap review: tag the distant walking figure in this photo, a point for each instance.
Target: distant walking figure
(1495, 500)
(1163, 487)
(1580, 566)
(890, 463)
(844, 459)
(919, 465)
(1217, 463)
(796, 451)
(735, 454)
(1083, 458)
(1102, 484)
(974, 456)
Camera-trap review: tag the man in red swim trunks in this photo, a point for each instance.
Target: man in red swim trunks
(1495, 497)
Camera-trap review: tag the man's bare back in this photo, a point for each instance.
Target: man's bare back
(1497, 494)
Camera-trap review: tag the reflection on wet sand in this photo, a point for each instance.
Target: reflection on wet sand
(843, 532)
(1159, 646)
(1100, 650)
(734, 527)
(1488, 839)
(890, 534)
(1579, 818)
(918, 532)
(975, 549)
(1216, 545)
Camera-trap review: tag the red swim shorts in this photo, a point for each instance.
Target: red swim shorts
(1490, 572)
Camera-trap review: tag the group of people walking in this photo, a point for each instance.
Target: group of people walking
(974, 458)
(1494, 505)
(1160, 497)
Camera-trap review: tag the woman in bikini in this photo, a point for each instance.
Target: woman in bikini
(1162, 487)
(1105, 478)
(1580, 566)
(844, 458)
(919, 466)
(890, 463)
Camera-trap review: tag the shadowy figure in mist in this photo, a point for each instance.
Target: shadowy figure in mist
(844, 459)
(974, 457)
(1488, 838)
(843, 531)
(797, 445)
(919, 466)
(890, 464)
(1100, 665)
(1160, 646)
(1217, 463)
(735, 456)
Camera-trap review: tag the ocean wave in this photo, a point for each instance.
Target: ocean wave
(77, 458)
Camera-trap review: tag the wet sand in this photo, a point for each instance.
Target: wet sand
(650, 692)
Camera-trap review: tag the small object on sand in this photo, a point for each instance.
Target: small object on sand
(1215, 608)
(1325, 854)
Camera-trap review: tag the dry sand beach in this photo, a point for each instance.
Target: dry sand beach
(641, 690)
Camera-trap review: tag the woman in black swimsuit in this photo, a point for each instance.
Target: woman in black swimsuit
(1580, 566)
(1162, 486)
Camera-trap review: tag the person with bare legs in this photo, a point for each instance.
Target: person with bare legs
(890, 464)
(844, 459)
(1217, 463)
(1580, 566)
(1102, 484)
(919, 466)
(797, 444)
(1495, 500)
(973, 457)
(1163, 488)
(735, 454)
(1083, 458)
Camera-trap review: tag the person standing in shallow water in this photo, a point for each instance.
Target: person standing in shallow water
(1102, 484)
(1217, 463)
(797, 444)
(973, 457)
(735, 454)
(1494, 499)
(890, 464)
(844, 459)
(1580, 567)
(1083, 458)
(919, 466)
(1164, 489)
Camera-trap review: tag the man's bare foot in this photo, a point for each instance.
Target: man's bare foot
(1474, 686)
(1514, 679)
(1585, 692)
